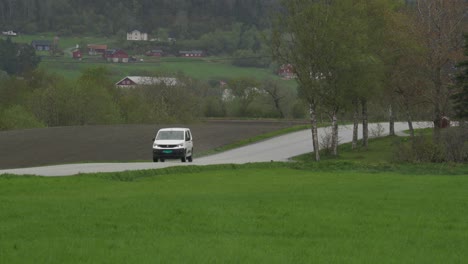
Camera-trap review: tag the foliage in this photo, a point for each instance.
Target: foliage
(441, 25)
(17, 117)
(333, 48)
(249, 58)
(453, 147)
(182, 19)
(17, 58)
(460, 98)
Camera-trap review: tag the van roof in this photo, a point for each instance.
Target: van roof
(173, 128)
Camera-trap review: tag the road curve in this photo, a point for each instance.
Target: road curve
(280, 148)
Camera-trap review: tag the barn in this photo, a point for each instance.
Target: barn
(76, 54)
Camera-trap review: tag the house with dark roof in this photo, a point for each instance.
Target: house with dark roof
(41, 44)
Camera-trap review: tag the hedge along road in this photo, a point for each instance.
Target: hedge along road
(280, 148)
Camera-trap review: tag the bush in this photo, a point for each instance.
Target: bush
(17, 117)
(421, 148)
(455, 142)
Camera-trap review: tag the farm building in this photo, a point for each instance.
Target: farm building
(96, 49)
(137, 35)
(76, 54)
(286, 71)
(134, 81)
(41, 44)
(191, 53)
(116, 55)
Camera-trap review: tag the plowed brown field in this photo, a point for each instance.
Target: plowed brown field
(60, 145)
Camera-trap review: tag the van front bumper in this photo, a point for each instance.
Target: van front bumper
(176, 153)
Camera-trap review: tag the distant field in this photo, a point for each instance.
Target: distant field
(199, 69)
(266, 213)
(64, 42)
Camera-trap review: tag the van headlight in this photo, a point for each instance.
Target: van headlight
(180, 145)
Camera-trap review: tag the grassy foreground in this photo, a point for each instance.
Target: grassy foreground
(335, 212)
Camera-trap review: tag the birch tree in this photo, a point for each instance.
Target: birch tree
(331, 45)
(298, 38)
(441, 23)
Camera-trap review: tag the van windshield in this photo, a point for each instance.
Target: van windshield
(170, 135)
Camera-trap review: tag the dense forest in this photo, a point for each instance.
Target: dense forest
(182, 19)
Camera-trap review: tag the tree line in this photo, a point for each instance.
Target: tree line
(183, 19)
(42, 99)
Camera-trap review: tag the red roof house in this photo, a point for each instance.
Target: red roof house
(116, 55)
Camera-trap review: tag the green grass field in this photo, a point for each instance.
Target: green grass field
(195, 68)
(332, 212)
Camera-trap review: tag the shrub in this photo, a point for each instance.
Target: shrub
(326, 142)
(17, 117)
(421, 148)
(455, 142)
(377, 131)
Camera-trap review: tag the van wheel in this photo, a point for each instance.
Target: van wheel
(162, 160)
(182, 159)
(190, 159)
(155, 160)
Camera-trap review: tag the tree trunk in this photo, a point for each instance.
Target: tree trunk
(365, 125)
(334, 139)
(278, 107)
(391, 117)
(355, 123)
(437, 105)
(410, 123)
(409, 117)
(313, 122)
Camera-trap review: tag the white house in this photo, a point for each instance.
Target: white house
(134, 81)
(137, 35)
(9, 33)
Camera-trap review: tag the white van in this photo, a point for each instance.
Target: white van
(173, 143)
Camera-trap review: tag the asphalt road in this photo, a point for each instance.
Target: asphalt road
(280, 148)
